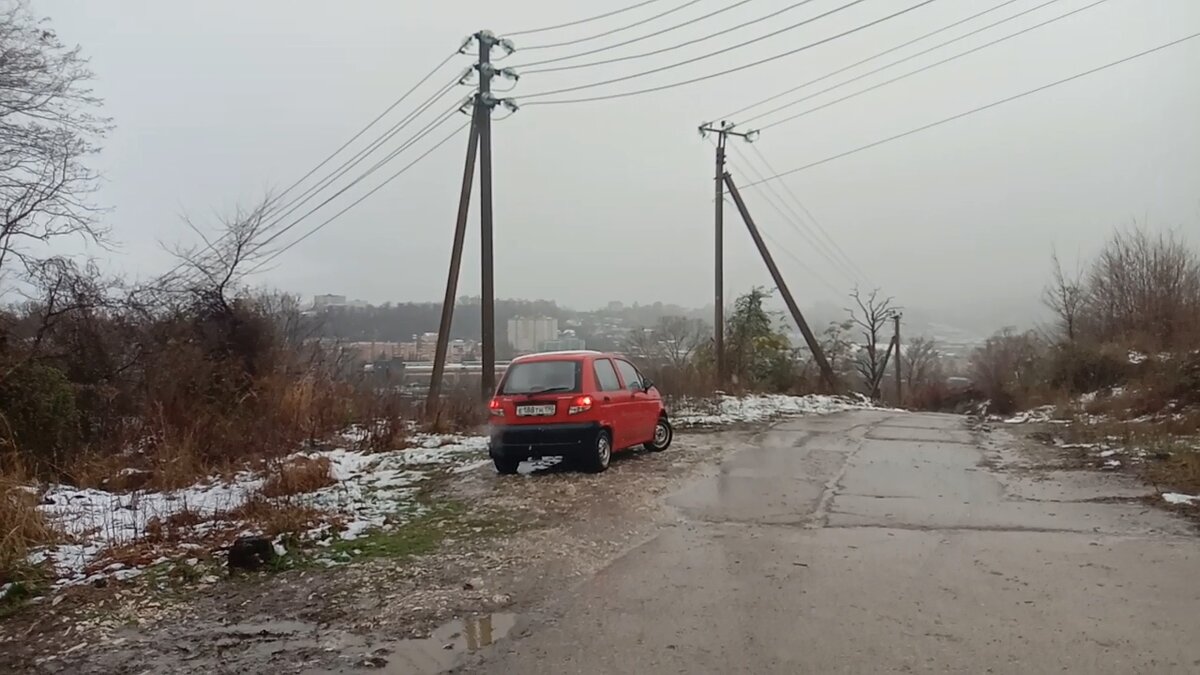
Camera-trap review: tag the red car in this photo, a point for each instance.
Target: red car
(581, 405)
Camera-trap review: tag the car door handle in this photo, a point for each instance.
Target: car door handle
(607, 399)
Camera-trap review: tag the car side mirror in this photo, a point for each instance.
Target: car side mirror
(647, 384)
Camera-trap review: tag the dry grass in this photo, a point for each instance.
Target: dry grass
(22, 526)
(275, 517)
(461, 409)
(298, 475)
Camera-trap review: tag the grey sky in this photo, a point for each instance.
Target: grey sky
(217, 101)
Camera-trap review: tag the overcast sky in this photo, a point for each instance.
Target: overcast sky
(216, 102)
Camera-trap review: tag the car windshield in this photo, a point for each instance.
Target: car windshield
(541, 377)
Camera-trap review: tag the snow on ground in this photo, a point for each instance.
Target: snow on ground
(372, 490)
(1176, 498)
(758, 408)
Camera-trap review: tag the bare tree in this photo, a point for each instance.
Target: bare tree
(212, 272)
(678, 338)
(1144, 287)
(922, 363)
(47, 131)
(1065, 297)
(871, 317)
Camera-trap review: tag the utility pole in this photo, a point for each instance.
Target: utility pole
(460, 233)
(896, 340)
(722, 130)
(814, 346)
(480, 143)
(483, 107)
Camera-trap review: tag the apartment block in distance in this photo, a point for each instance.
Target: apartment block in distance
(527, 334)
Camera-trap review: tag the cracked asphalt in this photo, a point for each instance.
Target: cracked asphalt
(875, 542)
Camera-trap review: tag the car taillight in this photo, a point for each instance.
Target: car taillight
(496, 407)
(580, 404)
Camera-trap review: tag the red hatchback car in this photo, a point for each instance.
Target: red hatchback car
(581, 405)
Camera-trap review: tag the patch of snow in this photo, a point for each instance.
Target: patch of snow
(1176, 498)
(1137, 358)
(758, 408)
(1108, 453)
(1111, 464)
(1040, 414)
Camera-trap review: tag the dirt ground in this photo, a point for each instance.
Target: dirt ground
(510, 543)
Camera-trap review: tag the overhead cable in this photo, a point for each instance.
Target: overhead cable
(981, 108)
(630, 41)
(729, 70)
(913, 72)
(664, 50)
(869, 58)
(582, 21)
(614, 31)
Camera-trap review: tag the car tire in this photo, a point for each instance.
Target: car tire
(600, 456)
(663, 435)
(506, 466)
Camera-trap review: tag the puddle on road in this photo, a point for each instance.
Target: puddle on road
(441, 650)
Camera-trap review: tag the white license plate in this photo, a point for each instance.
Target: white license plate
(536, 410)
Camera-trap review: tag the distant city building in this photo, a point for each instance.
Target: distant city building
(330, 301)
(527, 334)
(326, 301)
(564, 344)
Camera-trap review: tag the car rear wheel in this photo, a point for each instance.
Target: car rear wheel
(601, 453)
(506, 466)
(663, 435)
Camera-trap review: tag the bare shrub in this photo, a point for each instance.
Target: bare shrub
(1005, 369)
(1143, 290)
(298, 475)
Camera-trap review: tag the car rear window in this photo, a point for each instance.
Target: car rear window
(542, 376)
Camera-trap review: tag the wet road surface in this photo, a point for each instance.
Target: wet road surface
(876, 542)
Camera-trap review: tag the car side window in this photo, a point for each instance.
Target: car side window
(606, 377)
(633, 380)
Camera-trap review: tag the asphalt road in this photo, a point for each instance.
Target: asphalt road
(883, 543)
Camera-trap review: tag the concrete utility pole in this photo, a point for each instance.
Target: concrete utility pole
(814, 346)
(481, 143)
(460, 234)
(483, 106)
(896, 339)
(722, 130)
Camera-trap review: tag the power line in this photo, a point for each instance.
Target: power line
(918, 70)
(813, 219)
(606, 33)
(702, 56)
(583, 21)
(981, 108)
(392, 155)
(373, 122)
(358, 201)
(362, 154)
(730, 70)
(630, 41)
(793, 221)
(673, 47)
(869, 58)
(330, 157)
(797, 259)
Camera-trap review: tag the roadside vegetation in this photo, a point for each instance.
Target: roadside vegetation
(1120, 363)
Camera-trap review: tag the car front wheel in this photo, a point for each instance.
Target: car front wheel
(601, 453)
(663, 435)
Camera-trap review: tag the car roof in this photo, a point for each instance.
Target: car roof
(573, 355)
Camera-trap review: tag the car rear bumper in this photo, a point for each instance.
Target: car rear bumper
(526, 441)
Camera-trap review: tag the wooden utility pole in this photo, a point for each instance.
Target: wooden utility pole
(460, 234)
(896, 340)
(722, 130)
(814, 346)
(487, 302)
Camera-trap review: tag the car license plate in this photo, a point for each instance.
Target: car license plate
(536, 410)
